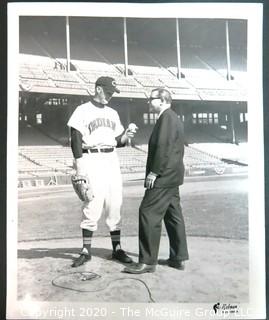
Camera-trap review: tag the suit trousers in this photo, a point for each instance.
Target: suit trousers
(161, 204)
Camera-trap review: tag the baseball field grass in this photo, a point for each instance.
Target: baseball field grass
(217, 208)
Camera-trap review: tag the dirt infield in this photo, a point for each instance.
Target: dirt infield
(216, 216)
(217, 271)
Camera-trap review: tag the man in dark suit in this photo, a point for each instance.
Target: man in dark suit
(164, 174)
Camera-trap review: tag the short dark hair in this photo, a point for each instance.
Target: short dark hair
(164, 95)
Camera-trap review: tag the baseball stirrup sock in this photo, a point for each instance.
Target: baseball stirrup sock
(87, 241)
(115, 238)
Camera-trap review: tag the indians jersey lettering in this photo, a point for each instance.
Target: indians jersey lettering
(101, 122)
(98, 126)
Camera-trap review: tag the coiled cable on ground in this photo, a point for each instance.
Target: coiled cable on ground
(90, 276)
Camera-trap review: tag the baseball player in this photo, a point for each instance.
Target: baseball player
(96, 131)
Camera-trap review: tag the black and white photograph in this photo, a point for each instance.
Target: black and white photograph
(136, 190)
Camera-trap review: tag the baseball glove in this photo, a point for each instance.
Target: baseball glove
(82, 187)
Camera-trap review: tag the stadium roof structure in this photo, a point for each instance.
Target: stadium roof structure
(191, 57)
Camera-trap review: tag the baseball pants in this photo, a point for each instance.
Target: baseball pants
(103, 170)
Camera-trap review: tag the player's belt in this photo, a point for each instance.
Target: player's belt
(95, 150)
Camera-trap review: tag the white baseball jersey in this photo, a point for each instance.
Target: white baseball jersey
(98, 126)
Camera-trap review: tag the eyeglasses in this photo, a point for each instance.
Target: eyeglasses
(153, 98)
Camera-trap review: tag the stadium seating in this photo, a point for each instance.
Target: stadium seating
(148, 77)
(204, 66)
(61, 75)
(50, 158)
(149, 81)
(132, 159)
(97, 66)
(32, 72)
(50, 162)
(203, 83)
(26, 165)
(148, 70)
(193, 158)
(226, 151)
(59, 158)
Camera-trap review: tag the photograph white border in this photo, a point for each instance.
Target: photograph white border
(252, 12)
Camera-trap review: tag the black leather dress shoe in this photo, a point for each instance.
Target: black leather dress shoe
(177, 264)
(138, 268)
(121, 256)
(81, 260)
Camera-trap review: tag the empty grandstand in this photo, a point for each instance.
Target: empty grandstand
(205, 73)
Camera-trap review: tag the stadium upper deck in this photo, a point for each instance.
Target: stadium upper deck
(96, 47)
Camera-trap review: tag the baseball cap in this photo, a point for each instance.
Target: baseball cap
(108, 83)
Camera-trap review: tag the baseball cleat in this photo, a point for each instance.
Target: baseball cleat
(139, 268)
(121, 256)
(80, 260)
(177, 264)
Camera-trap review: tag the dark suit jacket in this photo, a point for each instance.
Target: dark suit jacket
(166, 150)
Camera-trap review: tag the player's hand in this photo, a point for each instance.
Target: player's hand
(131, 130)
(129, 134)
(150, 180)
